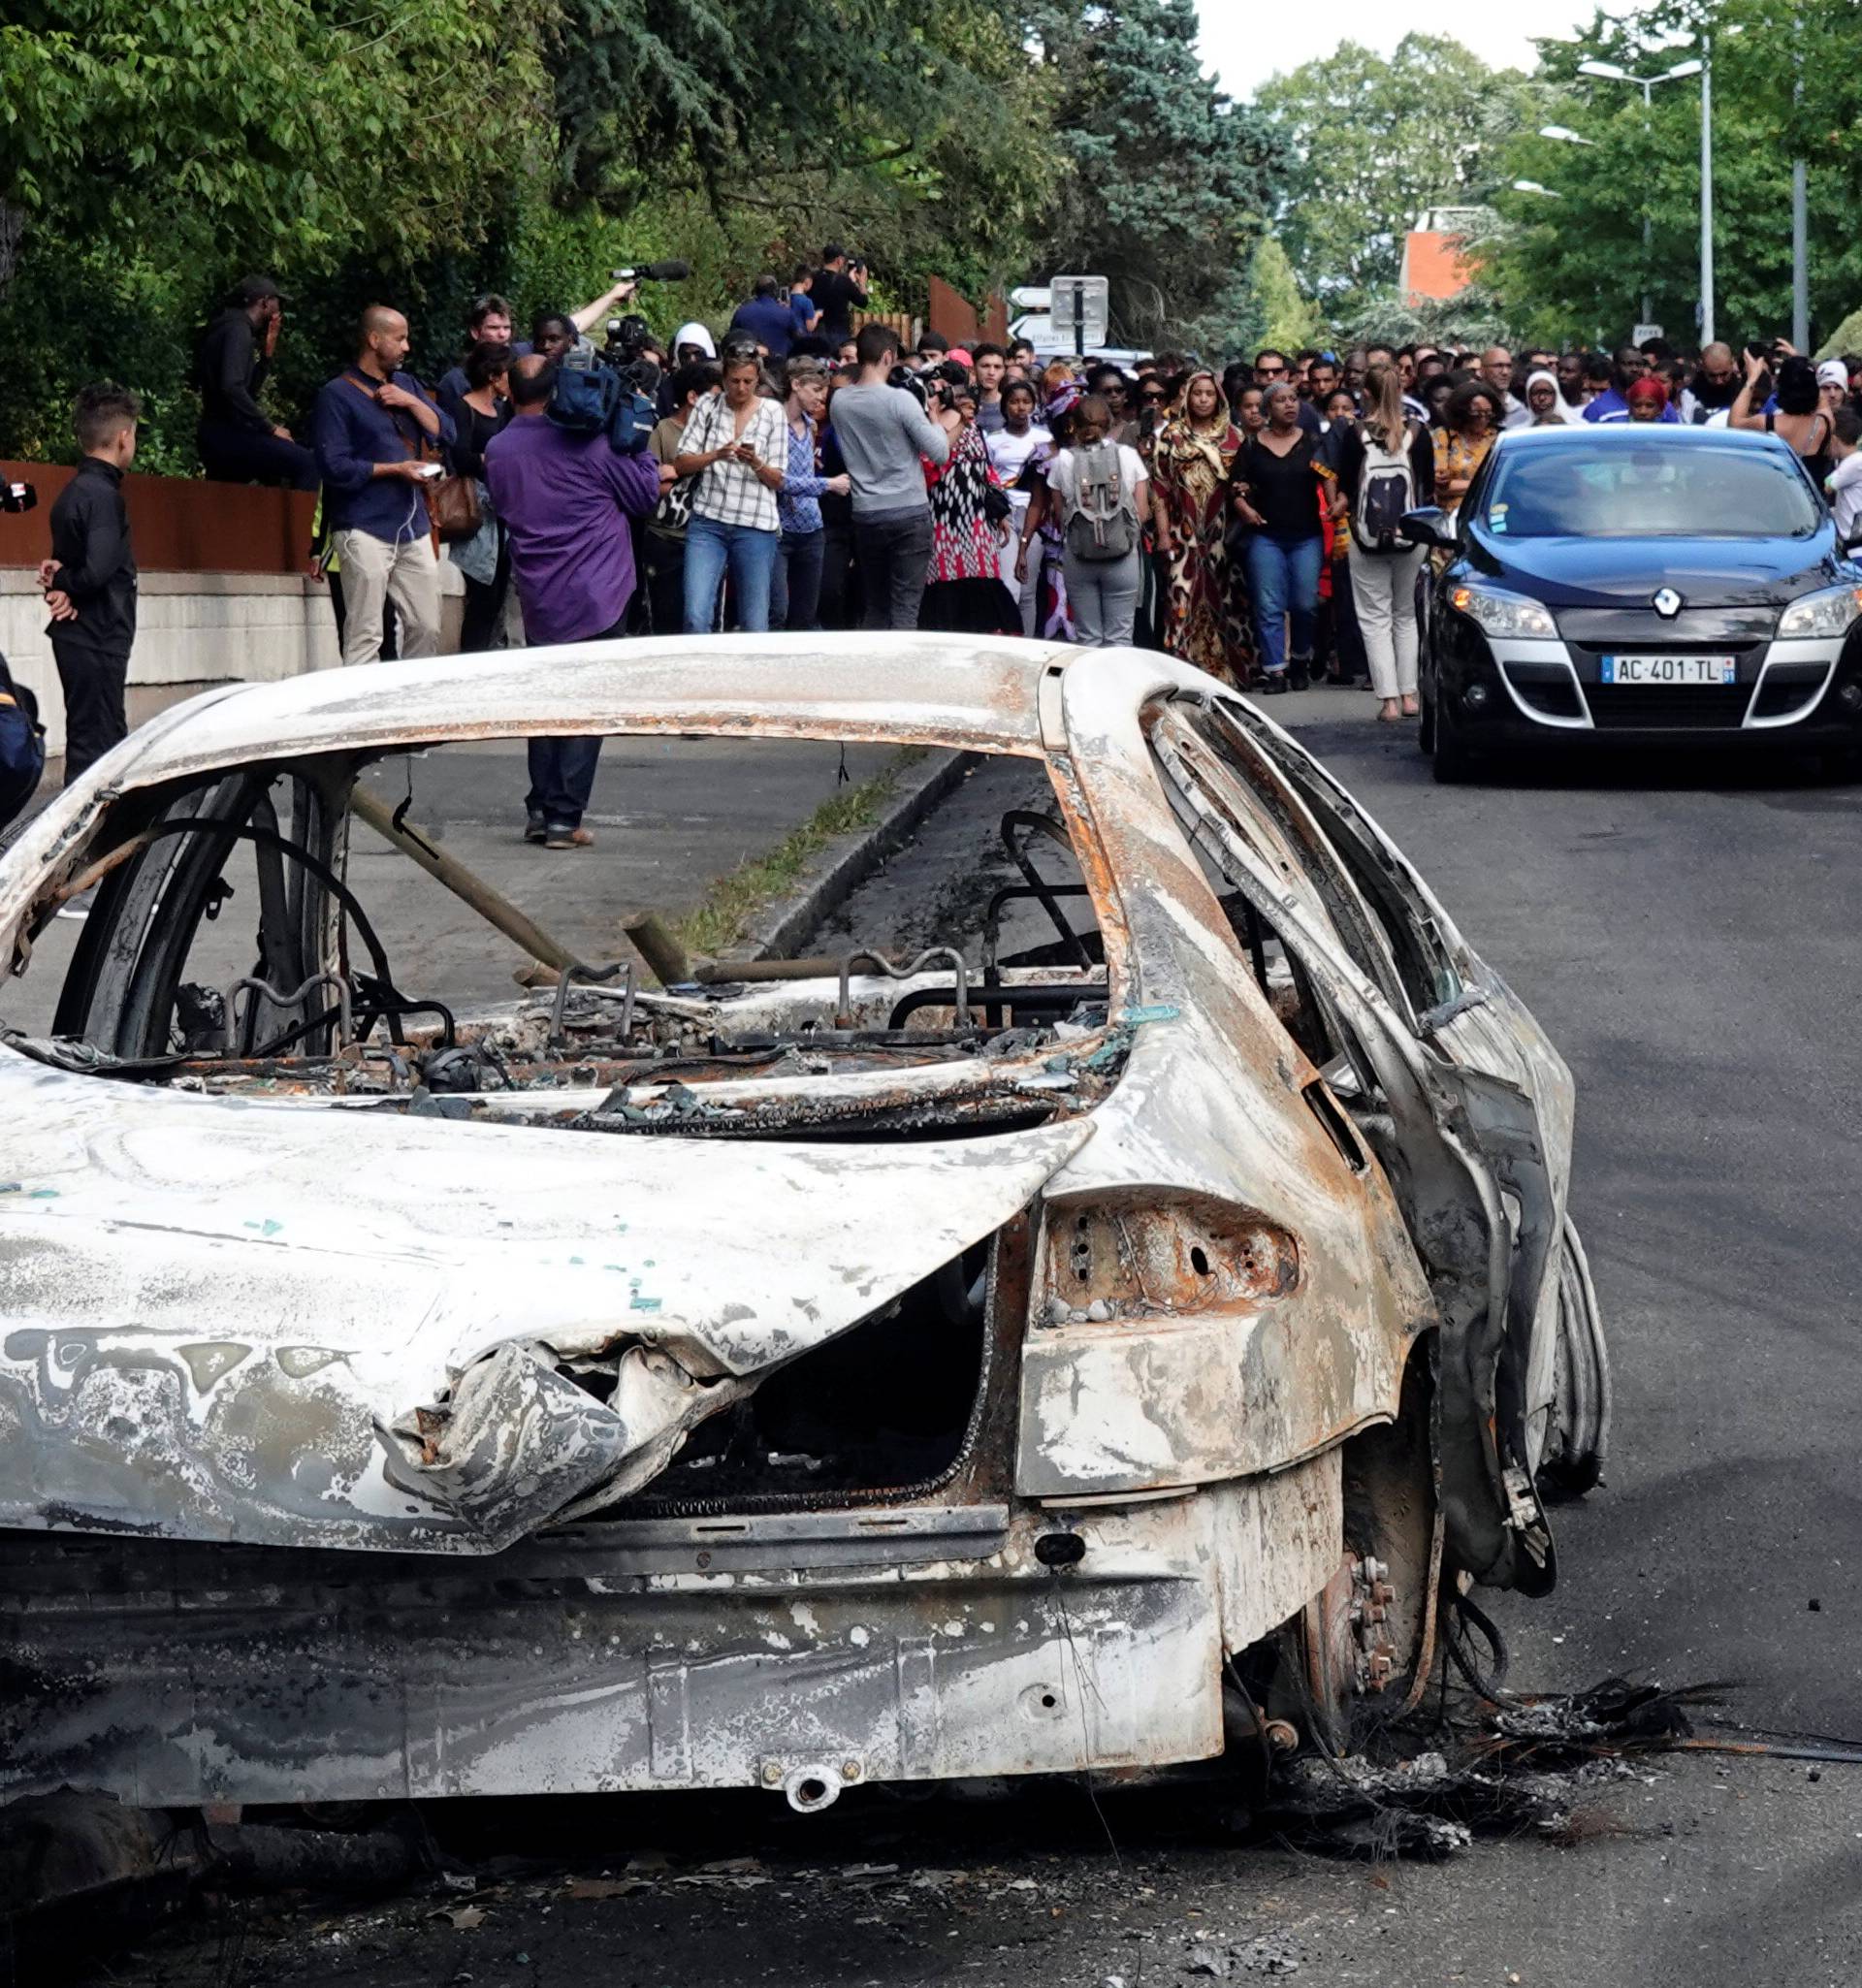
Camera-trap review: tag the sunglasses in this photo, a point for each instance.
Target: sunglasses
(1157, 400)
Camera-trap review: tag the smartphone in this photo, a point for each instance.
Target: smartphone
(428, 471)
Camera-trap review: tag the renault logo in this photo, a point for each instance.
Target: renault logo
(1667, 603)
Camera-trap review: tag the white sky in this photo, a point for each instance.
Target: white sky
(1245, 45)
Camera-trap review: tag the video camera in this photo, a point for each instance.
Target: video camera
(18, 496)
(652, 273)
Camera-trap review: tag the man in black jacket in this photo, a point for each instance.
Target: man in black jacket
(238, 443)
(89, 581)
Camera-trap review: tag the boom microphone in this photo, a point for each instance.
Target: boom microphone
(654, 272)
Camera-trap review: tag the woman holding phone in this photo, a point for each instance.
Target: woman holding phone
(737, 445)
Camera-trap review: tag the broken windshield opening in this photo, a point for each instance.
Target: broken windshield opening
(378, 931)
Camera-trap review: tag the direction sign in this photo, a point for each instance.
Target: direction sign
(1080, 308)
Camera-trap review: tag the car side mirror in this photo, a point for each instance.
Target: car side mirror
(1429, 524)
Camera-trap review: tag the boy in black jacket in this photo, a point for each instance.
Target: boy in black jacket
(89, 581)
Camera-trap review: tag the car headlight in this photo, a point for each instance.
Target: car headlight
(1503, 614)
(1828, 612)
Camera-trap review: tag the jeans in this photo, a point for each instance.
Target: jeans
(1384, 587)
(749, 552)
(93, 683)
(231, 454)
(479, 630)
(374, 571)
(1283, 576)
(894, 553)
(563, 770)
(796, 583)
(1103, 593)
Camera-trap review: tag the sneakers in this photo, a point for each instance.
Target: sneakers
(1274, 683)
(568, 839)
(80, 906)
(1300, 673)
(534, 828)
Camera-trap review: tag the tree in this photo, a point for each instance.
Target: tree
(1576, 266)
(1167, 183)
(1376, 141)
(1287, 319)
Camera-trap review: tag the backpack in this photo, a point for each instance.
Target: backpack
(1386, 490)
(22, 745)
(1103, 525)
(590, 398)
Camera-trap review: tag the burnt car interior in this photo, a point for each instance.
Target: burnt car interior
(232, 949)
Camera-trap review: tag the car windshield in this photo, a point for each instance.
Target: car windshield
(1621, 488)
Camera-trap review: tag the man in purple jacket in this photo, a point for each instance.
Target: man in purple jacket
(564, 499)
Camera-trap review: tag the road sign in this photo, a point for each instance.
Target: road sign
(1079, 308)
(1644, 333)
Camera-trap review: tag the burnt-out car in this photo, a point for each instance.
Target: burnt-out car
(988, 1364)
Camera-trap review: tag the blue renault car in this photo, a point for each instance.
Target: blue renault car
(1637, 585)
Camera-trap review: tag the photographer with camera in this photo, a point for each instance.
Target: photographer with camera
(837, 291)
(884, 430)
(564, 499)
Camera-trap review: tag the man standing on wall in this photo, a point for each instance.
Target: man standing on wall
(238, 443)
(837, 292)
(89, 582)
(374, 427)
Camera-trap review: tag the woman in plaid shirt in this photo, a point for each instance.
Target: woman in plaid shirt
(737, 445)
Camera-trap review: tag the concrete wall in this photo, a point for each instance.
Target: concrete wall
(194, 631)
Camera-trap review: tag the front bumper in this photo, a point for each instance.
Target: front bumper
(1535, 692)
(802, 1654)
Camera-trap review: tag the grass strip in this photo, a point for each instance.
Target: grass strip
(734, 899)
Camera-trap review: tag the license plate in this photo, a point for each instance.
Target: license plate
(1670, 669)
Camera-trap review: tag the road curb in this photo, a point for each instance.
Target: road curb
(847, 863)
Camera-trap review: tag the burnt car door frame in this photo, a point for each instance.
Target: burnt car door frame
(1456, 1141)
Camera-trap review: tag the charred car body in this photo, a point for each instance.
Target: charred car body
(943, 1368)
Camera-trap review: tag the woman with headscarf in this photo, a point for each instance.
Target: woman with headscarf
(1545, 405)
(1191, 470)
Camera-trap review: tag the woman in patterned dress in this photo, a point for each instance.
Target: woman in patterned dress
(964, 593)
(1205, 612)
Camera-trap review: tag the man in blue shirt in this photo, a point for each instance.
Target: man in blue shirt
(375, 432)
(766, 318)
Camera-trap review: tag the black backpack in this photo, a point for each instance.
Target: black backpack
(22, 745)
(1386, 490)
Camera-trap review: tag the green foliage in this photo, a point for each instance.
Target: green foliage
(1577, 266)
(1168, 183)
(1374, 142)
(1287, 319)
(413, 155)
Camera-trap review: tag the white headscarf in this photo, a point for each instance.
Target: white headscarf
(694, 333)
(1559, 412)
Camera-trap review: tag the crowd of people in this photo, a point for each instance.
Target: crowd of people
(802, 470)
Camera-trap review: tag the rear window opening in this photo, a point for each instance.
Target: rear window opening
(891, 1411)
(278, 931)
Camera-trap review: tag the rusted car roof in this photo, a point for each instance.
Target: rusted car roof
(917, 689)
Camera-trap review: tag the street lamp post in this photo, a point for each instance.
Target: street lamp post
(1647, 85)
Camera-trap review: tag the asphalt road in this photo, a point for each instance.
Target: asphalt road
(1689, 938)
